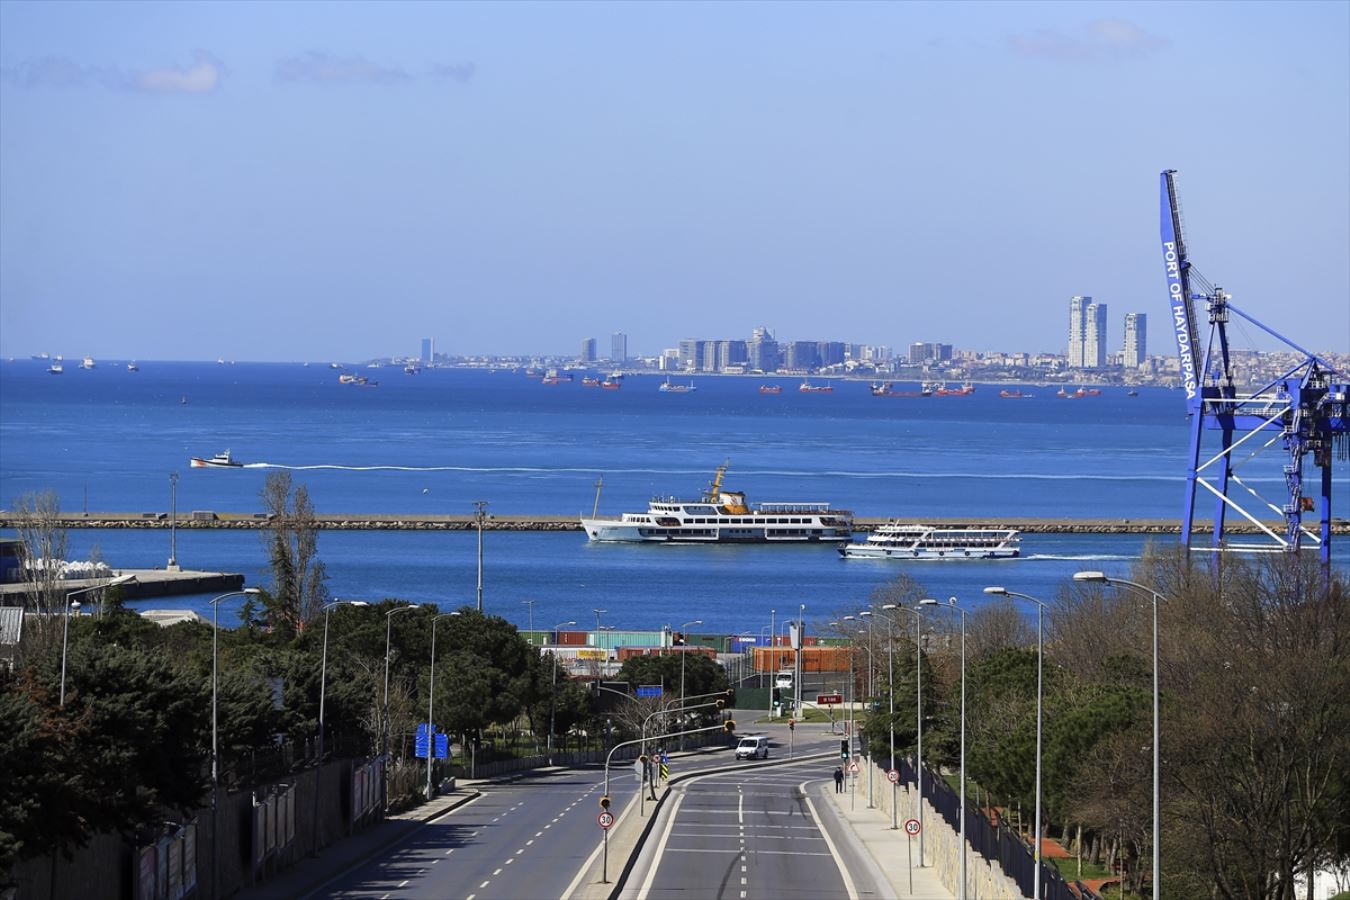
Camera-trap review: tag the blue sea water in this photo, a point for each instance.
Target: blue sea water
(106, 439)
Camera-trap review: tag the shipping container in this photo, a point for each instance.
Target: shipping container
(814, 659)
(572, 638)
(630, 652)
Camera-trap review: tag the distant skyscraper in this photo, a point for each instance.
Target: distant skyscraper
(1136, 340)
(691, 354)
(428, 349)
(921, 352)
(1077, 311)
(1094, 336)
(618, 347)
(588, 350)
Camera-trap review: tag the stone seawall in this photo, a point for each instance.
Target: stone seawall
(204, 519)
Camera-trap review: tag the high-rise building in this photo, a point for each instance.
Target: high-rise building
(1136, 340)
(802, 356)
(732, 353)
(762, 353)
(829, 353)
(691, 354)
(1094, 336)
(1077, 312)
(428, 349)
(618, 347)
(588, 350)
(921, 352)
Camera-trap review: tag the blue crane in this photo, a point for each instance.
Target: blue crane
(1303, 412)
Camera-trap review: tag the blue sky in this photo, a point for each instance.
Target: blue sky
(314, 180)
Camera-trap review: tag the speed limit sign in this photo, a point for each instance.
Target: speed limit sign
(606, 819)
(912, 827)
(893, 775)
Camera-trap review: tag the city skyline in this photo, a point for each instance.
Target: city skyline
(282, 180)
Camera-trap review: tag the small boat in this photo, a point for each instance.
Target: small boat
(1131, 393)
(88, 363)
(220, 360)
(412, 370)
(887, 389)
(806, 387)
(55, 369)
(590, 382)
(1012, 395)
(668, 387)
(219, 461)
(358, 380)
(182, 401)
(132, 367)
(616, 375)
(771, 389)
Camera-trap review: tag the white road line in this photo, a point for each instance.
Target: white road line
(740, 808)
(660, 848)
(531, 841)
(511, 860)
(538, 834)
(496, 873)
(843, 870)
(451, 850)
(485, 884)
(518, 852)
(404, 884)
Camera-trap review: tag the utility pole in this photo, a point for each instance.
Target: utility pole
(173, 522)
(480, 513)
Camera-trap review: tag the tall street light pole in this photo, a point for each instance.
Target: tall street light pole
(918, 715)
(773, 655)
(173, 523)
(431, 699)
(951, 605)
(868, 632)
(384, 717)
(797, 680)
(215, 744)
(323, 678)
(72, 603)
(553, 696)
(683, 649)
(1101, 578)
(480, 514)
(530, 605)
(1040, 702)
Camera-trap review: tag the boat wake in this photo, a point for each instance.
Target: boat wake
(264, 465)
(1104, 557)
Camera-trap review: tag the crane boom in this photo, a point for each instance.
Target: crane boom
(1179, 296)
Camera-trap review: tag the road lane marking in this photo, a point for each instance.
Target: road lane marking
(838, 861)
(531, 841)
(660, 848)
(485, 884)
(511, 860)
(740, 808)
(404, 884)
(496, 873)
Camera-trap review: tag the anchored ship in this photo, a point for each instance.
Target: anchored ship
(723, 517)
(898, 541)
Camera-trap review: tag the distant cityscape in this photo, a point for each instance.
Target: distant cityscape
(1087, 358)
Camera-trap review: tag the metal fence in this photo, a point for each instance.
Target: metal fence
(995, 841)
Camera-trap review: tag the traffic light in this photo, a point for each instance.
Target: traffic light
(729, 726)
(604, 802)
(792, 724)
(721, 703)
(776, 698)
(843, 749)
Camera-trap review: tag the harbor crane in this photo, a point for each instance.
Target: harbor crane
(1302, 413)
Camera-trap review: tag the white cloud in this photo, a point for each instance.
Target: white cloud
(1102, 40)
(201, 77)
(322, 68)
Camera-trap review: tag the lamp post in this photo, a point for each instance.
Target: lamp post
(797, 676)
(431, 698)
(683, 648)
(1101, 578)
(773, 658)
(553, 697)
(480, 514)
(384, 718)
(173, 523)
(869, 692)
(323, 679)
(72, 603)
(918, 715)
(1040, 658)
(951, 605)
(530, 605)
(215, 752)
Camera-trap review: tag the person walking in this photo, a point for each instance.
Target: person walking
(839, 780)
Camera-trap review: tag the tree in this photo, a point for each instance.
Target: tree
(298, 591)
(43, 543)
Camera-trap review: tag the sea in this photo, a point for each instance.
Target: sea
(108, 439)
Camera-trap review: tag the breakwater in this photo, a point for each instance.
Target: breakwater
(205, 519)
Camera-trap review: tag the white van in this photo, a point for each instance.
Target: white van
(783, 680)
(753, 747)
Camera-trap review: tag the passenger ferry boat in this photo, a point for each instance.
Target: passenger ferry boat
(898, 541)
(723, 517)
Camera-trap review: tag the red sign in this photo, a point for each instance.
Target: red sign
(829, 699)
(605, 819)
(912, 827)
(893, 775)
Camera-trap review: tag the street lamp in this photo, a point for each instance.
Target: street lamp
(553, 697)
(918, 715)
(530, 604)
(431, 699)
(384, 722)
(1040, 658)
(215, 753)
(480, 514)
(683, 648)
(951, 605)
(869, 691)
(65, 628)
(173, 523)
(323, 678)
(1101, 578)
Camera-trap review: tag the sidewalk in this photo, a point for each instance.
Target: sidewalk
(872, 828)
(312, 873)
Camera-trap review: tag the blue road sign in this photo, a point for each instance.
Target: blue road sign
(420, 747)
(442, 745)
(421, 728)
(649, 690)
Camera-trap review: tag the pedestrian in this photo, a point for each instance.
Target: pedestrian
(839, 780)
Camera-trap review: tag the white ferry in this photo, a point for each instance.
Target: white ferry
(897, 541)
(722, 517)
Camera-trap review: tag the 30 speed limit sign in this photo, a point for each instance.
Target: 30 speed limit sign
(912, 827)
(893, 775)
(606, 819)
